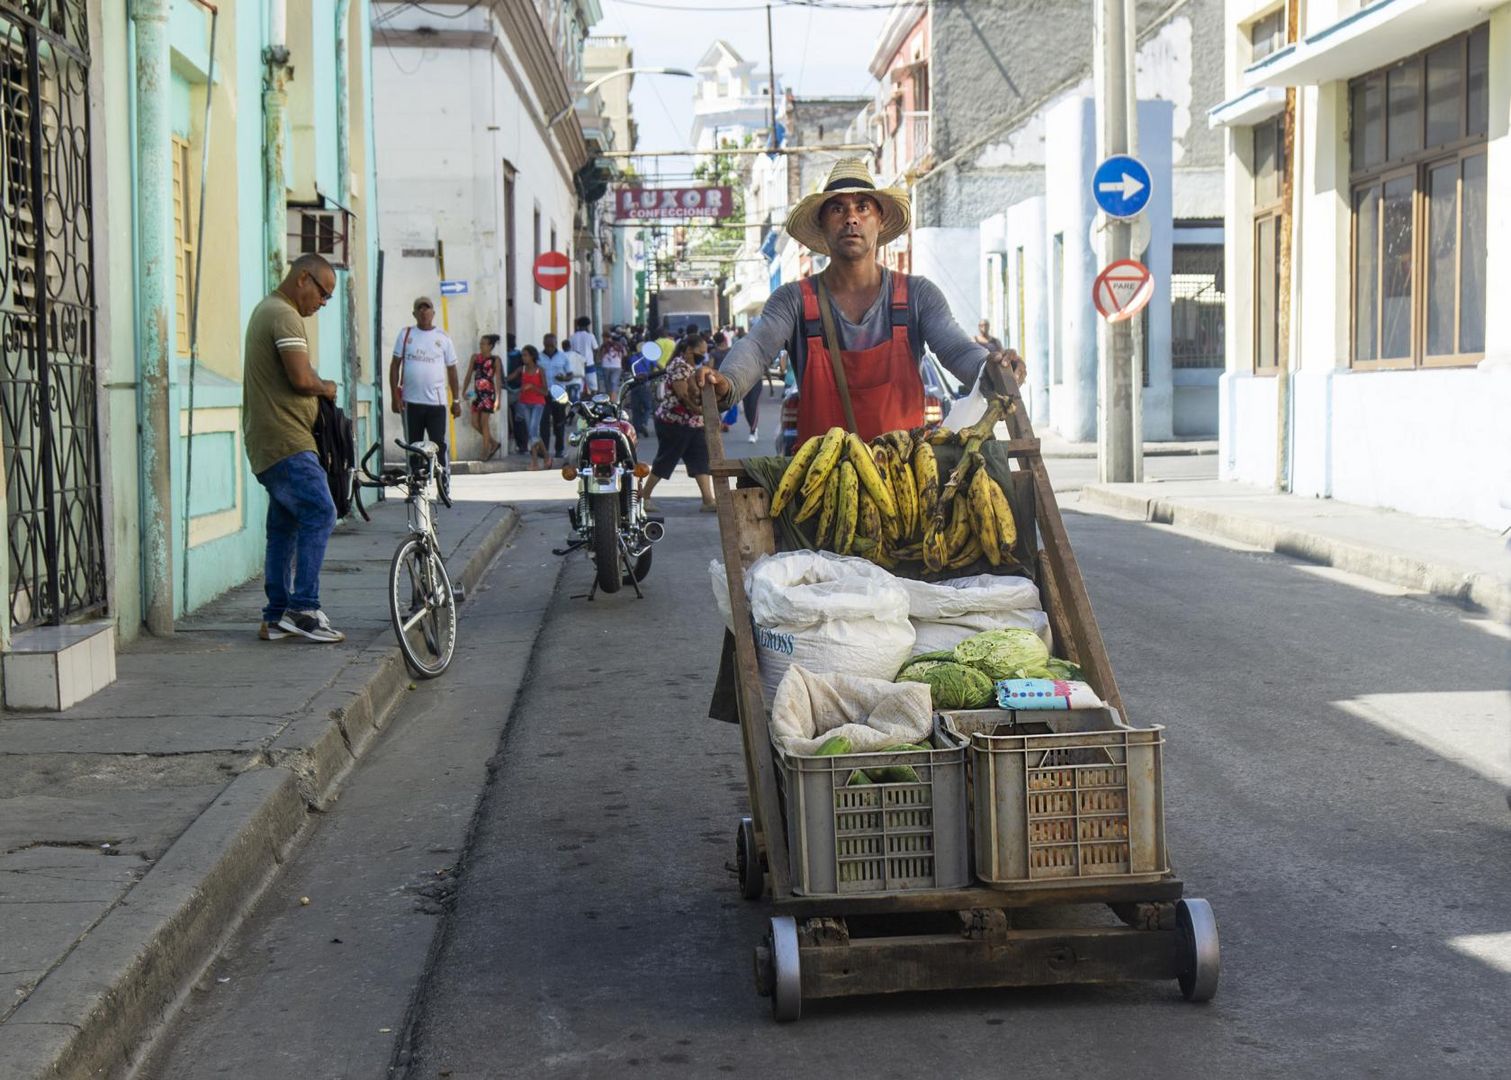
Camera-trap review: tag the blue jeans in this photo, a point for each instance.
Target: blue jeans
(642, 405)
(608, 380)
(301, 516)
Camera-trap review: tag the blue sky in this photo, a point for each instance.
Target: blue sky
(819, 51)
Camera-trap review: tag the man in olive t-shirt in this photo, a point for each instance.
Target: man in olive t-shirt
(279, 388)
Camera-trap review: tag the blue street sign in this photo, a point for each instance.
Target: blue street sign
(453, 288)
(1121, 186)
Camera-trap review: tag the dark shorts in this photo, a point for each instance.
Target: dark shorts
(678, 442)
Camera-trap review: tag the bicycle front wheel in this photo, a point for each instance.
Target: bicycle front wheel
(422, 607)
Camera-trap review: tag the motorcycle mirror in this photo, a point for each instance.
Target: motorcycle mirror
(651, 351)
(559, 394)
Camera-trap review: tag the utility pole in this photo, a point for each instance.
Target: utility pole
(1116, 413)
(771, 72)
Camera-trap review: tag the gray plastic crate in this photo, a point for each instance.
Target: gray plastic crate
(876, 838)
(1063, 796)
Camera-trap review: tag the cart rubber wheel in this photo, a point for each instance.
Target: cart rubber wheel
(1201, 956)
(787, 983)
(748, 859)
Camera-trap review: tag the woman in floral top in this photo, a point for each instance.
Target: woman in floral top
(679, 423)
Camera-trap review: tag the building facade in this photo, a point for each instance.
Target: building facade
(128, 496)
(1367, 358)
(624, 254)
(475, 181)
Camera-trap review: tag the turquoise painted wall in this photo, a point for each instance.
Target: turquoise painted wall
(220, 471)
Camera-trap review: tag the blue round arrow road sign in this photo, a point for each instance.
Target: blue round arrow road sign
(1121, 186)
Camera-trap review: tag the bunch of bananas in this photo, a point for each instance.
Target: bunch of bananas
(886, 502)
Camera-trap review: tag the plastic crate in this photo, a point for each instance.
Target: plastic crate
(876, 838)
(1063, 796)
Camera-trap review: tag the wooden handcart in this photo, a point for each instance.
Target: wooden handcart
(830, 946)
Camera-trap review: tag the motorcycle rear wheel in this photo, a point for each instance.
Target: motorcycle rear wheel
(605, 508)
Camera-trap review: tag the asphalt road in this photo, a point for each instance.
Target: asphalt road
(1335, 775)
(1322, 793)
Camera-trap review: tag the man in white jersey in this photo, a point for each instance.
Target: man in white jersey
(422, 369)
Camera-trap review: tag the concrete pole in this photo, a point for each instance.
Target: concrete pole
(598, 271)
(154, 221)
(275, 101)
(1115, 371)
(343, 188)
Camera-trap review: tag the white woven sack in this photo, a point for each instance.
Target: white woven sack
(872, 713)
(945, 613)
(829, 613)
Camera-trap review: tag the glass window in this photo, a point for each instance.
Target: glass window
(1419, 200)
(1479, 81)
(1396, 250)
(1442, 249)
(1445, 93)
(1472, 258)
(1269, 161)
(1404, 119)
(1267, 35)
(1366, 270)
(1368, 123)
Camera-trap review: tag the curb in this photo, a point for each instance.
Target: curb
(1090, 453)
(88, 1016)
(1438, 580)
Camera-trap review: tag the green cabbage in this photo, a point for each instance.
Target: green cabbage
(951, 685)
(1001, 654)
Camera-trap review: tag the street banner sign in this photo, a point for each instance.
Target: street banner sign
(552, 269)
(1122, 290)
(1121, 186)
(453, 288)
(672, 204)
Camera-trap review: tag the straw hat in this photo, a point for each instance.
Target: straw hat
(849, 174)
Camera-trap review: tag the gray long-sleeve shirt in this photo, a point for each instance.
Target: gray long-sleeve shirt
(929, 324)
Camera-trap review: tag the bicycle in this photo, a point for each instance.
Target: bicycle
(421, 601)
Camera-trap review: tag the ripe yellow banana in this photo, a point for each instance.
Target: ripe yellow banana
(825, 461)
(830, 509)
(934, 555)
(982, 518)
(867, 519)
(926, 479)
(847, 511)
(792, 479)
(858, 454)
(958, 535)
(1002, 514)
(907, 496)
(970, 553)
(891, 524)
(812, 504)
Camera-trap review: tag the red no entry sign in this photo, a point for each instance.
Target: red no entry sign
(552, 269)
(1121, 291)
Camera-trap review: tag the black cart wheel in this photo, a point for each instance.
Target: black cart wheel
(748, 859)
(786, 971)
(1201, 955)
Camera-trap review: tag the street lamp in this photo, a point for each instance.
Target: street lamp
(596, 83)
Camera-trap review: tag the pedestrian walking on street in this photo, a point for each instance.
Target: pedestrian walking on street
(557, 364)
(280, 392)
(517, 432)
(679, 423)
(480, 386)
(984, 337)
(611, 364)
(421, 372)
(584, 344)
(530, 382)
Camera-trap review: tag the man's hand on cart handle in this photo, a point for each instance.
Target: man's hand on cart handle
(1010, 359)
(707, 376)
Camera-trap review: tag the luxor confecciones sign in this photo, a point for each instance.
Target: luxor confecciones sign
(662, 204)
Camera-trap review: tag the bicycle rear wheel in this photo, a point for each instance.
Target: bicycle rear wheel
(422, 607)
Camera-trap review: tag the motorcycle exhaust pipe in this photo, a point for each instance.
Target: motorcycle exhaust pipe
(653, 531)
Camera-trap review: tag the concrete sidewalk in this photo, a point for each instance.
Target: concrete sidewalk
(1053, 445)
(137, 827)
(1451, 560)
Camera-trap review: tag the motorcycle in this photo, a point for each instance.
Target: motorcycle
(609, 518)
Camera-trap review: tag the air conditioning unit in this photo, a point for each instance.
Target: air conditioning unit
(317, 229)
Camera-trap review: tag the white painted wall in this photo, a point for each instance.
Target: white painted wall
(446, 121)
(950, 259)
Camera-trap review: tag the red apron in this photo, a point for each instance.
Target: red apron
(886, 390)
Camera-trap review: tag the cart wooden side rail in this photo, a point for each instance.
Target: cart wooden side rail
(808, 952)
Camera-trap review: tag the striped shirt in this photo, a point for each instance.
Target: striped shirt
(277, 421)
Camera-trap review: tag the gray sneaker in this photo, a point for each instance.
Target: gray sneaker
(311, 625)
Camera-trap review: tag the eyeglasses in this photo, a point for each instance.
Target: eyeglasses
(324, 292)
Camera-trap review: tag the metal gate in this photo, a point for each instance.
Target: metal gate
(49, 437)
